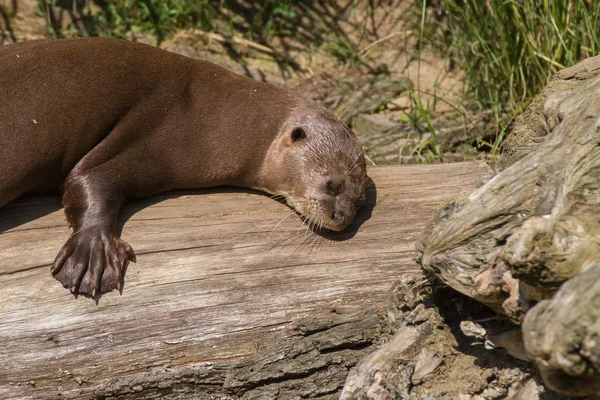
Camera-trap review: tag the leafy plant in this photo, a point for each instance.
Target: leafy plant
(509, 49)
(342, 49)
(120, 18)
(276, 17)
(123, 18)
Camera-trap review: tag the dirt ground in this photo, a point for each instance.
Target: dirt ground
(372, 94)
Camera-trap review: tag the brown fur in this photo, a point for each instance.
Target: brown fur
(109, 120)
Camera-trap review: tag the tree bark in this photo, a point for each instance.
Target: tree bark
(527, 243)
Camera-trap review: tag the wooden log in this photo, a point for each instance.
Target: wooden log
(231, 296)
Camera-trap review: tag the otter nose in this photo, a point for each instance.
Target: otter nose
(338, 216)
(333, 185)
(340, 220)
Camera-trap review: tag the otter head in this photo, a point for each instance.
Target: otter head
(317, 165)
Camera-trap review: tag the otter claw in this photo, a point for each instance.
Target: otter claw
(92, 262)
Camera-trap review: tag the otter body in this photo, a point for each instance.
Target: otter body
(106, 120)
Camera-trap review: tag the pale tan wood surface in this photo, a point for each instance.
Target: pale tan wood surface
(219, 273)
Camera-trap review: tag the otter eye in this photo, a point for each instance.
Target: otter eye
(298, 134)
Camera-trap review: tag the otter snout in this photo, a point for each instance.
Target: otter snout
(334, 194)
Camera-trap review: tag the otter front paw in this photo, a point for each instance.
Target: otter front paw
(92, 262)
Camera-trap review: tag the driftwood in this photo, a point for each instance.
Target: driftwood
(527, 243)
(231, 296)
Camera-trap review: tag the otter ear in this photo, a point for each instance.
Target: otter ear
(298, 134)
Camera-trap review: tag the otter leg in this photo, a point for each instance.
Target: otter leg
(94, 259)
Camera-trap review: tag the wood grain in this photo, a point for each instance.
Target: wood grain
(220, 275)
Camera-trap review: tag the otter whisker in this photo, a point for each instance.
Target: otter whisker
(279, 242)
(291, 238)
(277, 197)
(319, 242)
(306, 242)
(356, 162)
(309, 228)
(381, 200)
(279, 223)
(282, 240)
(315, 243)
(357, 158)
(286, 240)
(315, 224)
(305, 225)
(302, 244)
(310, 225)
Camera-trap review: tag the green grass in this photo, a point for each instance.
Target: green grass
(342, 49)
(274, 18)
(509, 50)
(161, 18)
(417, 105)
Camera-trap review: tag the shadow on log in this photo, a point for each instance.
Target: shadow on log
(231, 297)
(527, 243)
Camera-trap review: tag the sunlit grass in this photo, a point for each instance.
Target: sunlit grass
(509, 50)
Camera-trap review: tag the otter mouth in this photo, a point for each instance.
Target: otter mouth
(319, 216)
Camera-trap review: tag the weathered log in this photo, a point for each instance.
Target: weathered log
(517, 239)
(388, 373)
(231, 295)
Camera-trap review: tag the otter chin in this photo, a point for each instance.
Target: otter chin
(318, 166)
